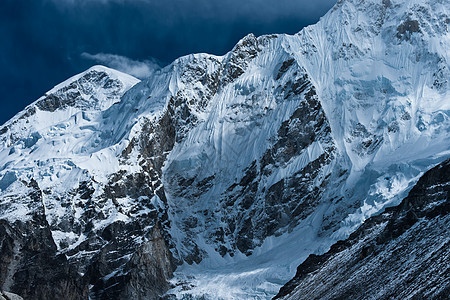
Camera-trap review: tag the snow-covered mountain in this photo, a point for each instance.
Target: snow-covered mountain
(402, 253)
(217, 176)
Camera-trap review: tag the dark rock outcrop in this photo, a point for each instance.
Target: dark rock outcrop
(34, 269)
(144, 275)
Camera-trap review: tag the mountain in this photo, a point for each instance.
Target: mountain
(401, 253)
(218, 175)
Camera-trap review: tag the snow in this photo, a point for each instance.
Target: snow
(375, 82)
(59, 150)
(258, 276)
(389, 123)
(126, 79)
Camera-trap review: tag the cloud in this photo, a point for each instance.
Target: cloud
(139, 69)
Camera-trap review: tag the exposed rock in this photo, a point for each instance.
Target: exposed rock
(407, 28)
(239, 57)
(285, 136)
(144, 276)
(284, 67)
(34, 269)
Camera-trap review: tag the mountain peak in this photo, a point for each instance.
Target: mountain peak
(240, 165)
(93, 78)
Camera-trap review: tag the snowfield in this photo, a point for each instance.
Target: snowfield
(250, 161)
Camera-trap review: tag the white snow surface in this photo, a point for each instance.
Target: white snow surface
(375, 85)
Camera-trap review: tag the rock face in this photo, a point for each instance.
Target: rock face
(33, 268)
(144, 276)
(31, 265)
(217, 176)
(402, 253)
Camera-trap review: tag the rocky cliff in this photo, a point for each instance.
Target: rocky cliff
(218, 175)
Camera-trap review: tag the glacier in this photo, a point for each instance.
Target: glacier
(244, 163)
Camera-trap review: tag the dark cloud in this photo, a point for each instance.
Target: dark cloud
(42, 41)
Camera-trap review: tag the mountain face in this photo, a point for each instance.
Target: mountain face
(217, 176)
(402, 253)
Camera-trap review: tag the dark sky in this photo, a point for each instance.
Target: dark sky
(43, 42)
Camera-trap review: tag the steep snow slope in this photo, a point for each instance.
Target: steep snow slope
(382, 69)
(242, 165)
